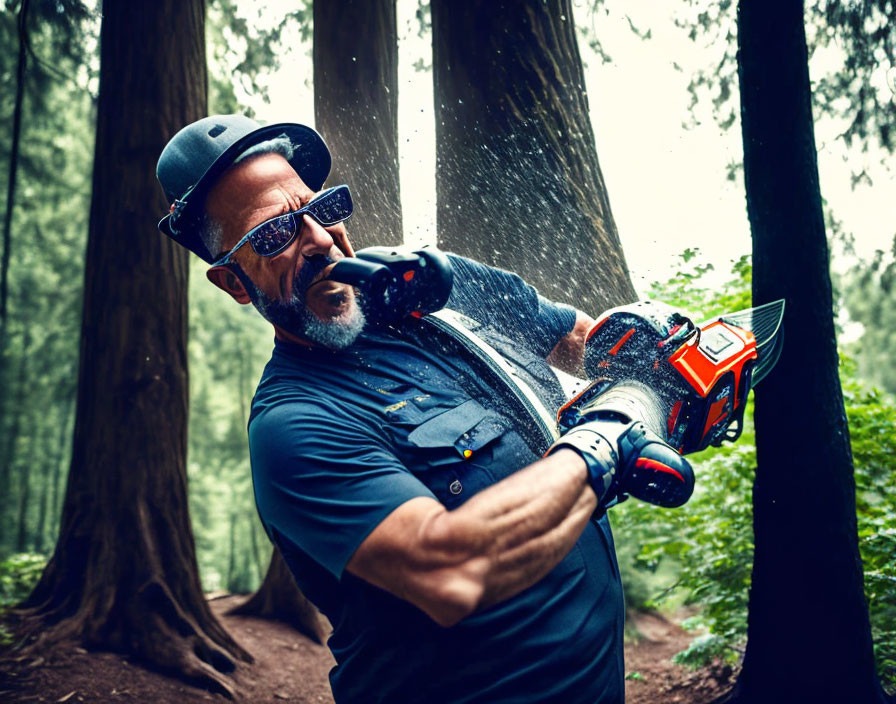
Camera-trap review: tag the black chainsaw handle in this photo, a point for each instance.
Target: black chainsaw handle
(398, 282)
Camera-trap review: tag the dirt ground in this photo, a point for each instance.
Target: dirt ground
(290, 668)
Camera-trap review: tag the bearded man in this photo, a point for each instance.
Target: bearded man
(457, 559)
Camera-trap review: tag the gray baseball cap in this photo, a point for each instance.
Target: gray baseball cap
(195, 158)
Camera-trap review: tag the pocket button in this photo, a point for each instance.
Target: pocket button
(455, 487)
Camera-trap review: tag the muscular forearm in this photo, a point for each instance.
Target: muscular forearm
(501, 541)
(529, 522)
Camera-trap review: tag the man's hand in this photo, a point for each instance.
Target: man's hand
(568, 354)
(628, 459)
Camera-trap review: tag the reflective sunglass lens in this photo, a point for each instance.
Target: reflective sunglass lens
(273, 235)
(332, 208)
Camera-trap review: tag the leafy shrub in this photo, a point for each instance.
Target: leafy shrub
(18, 575)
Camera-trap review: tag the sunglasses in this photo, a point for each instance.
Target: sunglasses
(273, 236)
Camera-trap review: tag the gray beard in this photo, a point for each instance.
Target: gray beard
(339, 332)
(294, 317)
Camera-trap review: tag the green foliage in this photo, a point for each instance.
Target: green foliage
(869, 296)
(229, 345)
(858, 44)
(244, 50)
(702, 650)
(872, 427)
(688, 289)
(705, 549)
(39, 337)
(18, 575)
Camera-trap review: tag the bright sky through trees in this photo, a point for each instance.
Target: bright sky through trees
(668, 183)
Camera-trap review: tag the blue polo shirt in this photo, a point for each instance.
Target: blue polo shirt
(340, 439)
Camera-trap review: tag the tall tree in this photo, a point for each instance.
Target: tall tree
(517, 176)
(124, 575)
(809, 638)
(356, 110)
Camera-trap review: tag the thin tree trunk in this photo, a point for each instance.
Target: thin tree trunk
(16, 409)
(25, 494)
(65, 435)
(279, 598)
(49, 470)
(809, 638)
(13, 164)
(43, 507)
(256, 552)
(356, 110)
(231, 563)
(517, 176)
(124, 573)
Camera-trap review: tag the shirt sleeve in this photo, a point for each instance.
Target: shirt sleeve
(323, 480)
(503, 301)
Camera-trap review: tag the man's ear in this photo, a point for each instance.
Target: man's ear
(227, 281)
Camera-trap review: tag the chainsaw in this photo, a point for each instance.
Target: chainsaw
(661, 386)
(687, 382)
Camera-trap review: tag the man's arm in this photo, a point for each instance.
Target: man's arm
(501, 541)
(568, 354)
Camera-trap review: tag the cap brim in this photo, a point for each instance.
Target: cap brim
(311, 161)
(189, 239)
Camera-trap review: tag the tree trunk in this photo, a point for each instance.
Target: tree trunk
(23, 539)
(13, 164)
(809, 638)
(356, 109)
(279, 598)
(256, 551)
(65, 433)
(124, 573)
(50, 467)
(231, 562)
(517, 176)
(11, 438)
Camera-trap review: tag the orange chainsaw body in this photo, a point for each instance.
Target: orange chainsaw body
(699, 377)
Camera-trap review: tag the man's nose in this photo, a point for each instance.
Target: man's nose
(314, 238)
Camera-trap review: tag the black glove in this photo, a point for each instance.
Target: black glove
(627, 459)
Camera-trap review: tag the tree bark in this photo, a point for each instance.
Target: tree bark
(124, 573)
(279, 598)
(13, 164)
(517, 177)
(809, 638)
(356, 110)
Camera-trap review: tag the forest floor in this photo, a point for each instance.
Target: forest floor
(290, 668)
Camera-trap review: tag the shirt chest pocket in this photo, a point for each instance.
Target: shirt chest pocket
(451, 451)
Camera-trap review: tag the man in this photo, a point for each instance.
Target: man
(455, 563)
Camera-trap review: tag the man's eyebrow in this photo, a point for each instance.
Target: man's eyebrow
(302, 199)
